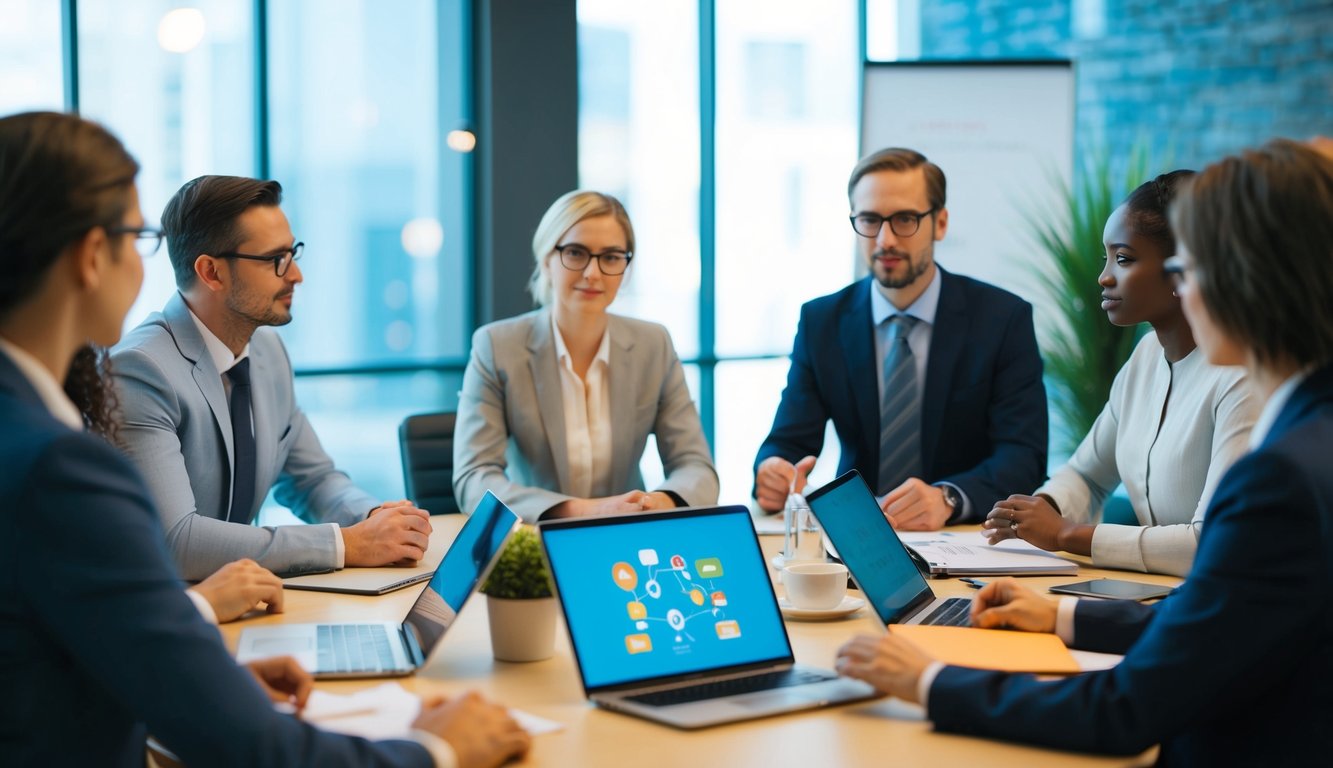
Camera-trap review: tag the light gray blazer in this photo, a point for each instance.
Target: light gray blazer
(177, 431)
(510, 433)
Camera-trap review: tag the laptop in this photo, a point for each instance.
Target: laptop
(672, 618)
(386, 649)
(880, 563)
(365, 581)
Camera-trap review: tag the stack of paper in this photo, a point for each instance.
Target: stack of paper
(971, 554)
(386, 712)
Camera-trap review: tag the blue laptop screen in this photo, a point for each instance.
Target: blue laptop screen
(657, 596)
(467, 561)
(865, 541)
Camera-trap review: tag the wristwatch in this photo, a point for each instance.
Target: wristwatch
(952, 499)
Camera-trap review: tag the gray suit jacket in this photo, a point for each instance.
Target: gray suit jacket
(510, 434)
(178, 432)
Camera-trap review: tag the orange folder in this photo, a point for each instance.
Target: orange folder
(1000, 649)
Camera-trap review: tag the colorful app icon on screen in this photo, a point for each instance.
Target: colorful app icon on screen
(727, 630)
(638, 644)
(637, 610)
(708, 568)
(719, 599)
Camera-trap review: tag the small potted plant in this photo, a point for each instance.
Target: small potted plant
(519, 602)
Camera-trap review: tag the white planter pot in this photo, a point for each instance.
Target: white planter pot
(522, 630)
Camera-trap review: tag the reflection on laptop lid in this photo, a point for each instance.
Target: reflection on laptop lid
(468, 561)
(672, 618)
(883, 569)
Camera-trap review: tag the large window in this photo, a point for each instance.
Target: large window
(31, 72)
(176, 85)
(784, 75)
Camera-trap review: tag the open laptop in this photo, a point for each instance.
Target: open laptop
(880, 563)
(672, 618)
(386, 649)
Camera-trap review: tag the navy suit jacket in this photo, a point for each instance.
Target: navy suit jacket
(98, 641)
(983, 420)
(1236, 667)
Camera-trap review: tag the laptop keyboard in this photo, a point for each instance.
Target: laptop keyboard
(353, 648)
(954, 612)
(732, 687)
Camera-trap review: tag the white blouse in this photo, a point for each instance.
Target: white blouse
(1169, 432)
(587, 405)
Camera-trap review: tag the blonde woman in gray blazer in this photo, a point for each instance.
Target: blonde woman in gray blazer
(557, 404)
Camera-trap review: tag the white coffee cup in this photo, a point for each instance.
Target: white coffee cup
(815, 586)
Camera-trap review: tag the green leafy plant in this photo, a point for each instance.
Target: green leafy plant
(519, 573)
(1082, 350)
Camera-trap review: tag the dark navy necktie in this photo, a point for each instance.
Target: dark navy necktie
(243, 445)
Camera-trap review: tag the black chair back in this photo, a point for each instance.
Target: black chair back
(427, 444)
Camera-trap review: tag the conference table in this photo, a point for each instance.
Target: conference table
(880, 732)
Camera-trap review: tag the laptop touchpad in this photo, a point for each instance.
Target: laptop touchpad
(772, 700)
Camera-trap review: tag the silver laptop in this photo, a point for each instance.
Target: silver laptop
(386, 649)
(881, 564)
(672, 618)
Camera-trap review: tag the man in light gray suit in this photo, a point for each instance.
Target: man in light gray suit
(210, 415)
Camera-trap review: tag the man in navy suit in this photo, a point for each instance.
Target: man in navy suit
(932, 380)
(1236, 666)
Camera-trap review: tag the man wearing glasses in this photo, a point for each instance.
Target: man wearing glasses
(932, 380)
(210, 414)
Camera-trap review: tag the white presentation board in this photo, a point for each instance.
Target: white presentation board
(1002, 133)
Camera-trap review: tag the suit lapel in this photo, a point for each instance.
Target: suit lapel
(206, 376)
(546, 381)
(624, 389)
(946, 347)
(1317, 388)
(856, 336)
(263, 402)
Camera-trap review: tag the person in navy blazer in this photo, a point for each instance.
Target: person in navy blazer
(99, 644)
(982, 406)
(1236, 666)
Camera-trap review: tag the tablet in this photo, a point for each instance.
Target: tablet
(1113, 588)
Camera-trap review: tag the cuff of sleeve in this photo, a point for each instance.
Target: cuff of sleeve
(202, 605)
(339, 548)
(1064, 619)
(440, 751)
(926, 680)
(676, 497)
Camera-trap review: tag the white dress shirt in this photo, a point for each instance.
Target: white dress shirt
(224, 361)
(1169, 431)
(587, 403)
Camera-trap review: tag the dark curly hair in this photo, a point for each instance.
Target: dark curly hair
(88, 384)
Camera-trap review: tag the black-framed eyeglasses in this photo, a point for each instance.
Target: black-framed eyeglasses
(575, 256)
(1176, 271)
(902, 223)
(146, 239)
(282, 260)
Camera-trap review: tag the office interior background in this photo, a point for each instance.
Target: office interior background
(419, 141)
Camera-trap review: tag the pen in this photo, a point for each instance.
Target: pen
(973, 583)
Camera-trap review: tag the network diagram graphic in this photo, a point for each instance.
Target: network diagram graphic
(675, 595)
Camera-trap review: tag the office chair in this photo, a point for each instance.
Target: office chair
(426, 441)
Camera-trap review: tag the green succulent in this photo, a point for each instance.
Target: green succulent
(520, 572)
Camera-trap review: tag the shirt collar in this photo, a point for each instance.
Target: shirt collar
(922, 309)
(222, 358)
(48, 389)
(1273, 407)
(562, 352)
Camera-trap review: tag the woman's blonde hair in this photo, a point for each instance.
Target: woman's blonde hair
(564, 213)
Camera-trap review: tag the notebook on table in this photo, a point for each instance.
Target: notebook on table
(672, 618)
(388, 649)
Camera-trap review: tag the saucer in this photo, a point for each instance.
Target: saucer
(847, 607)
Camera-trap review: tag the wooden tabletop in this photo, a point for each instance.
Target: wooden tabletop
(883, 732)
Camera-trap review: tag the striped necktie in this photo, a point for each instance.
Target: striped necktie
(899, 409)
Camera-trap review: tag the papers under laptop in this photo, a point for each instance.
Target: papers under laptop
(386, 649)
(950, 553)
(672, 618)
(877, 558)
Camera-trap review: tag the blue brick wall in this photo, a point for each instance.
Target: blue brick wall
(1191, 79)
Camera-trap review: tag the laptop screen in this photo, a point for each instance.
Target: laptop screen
(868, 545)
(466, 563)
(658, 595)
